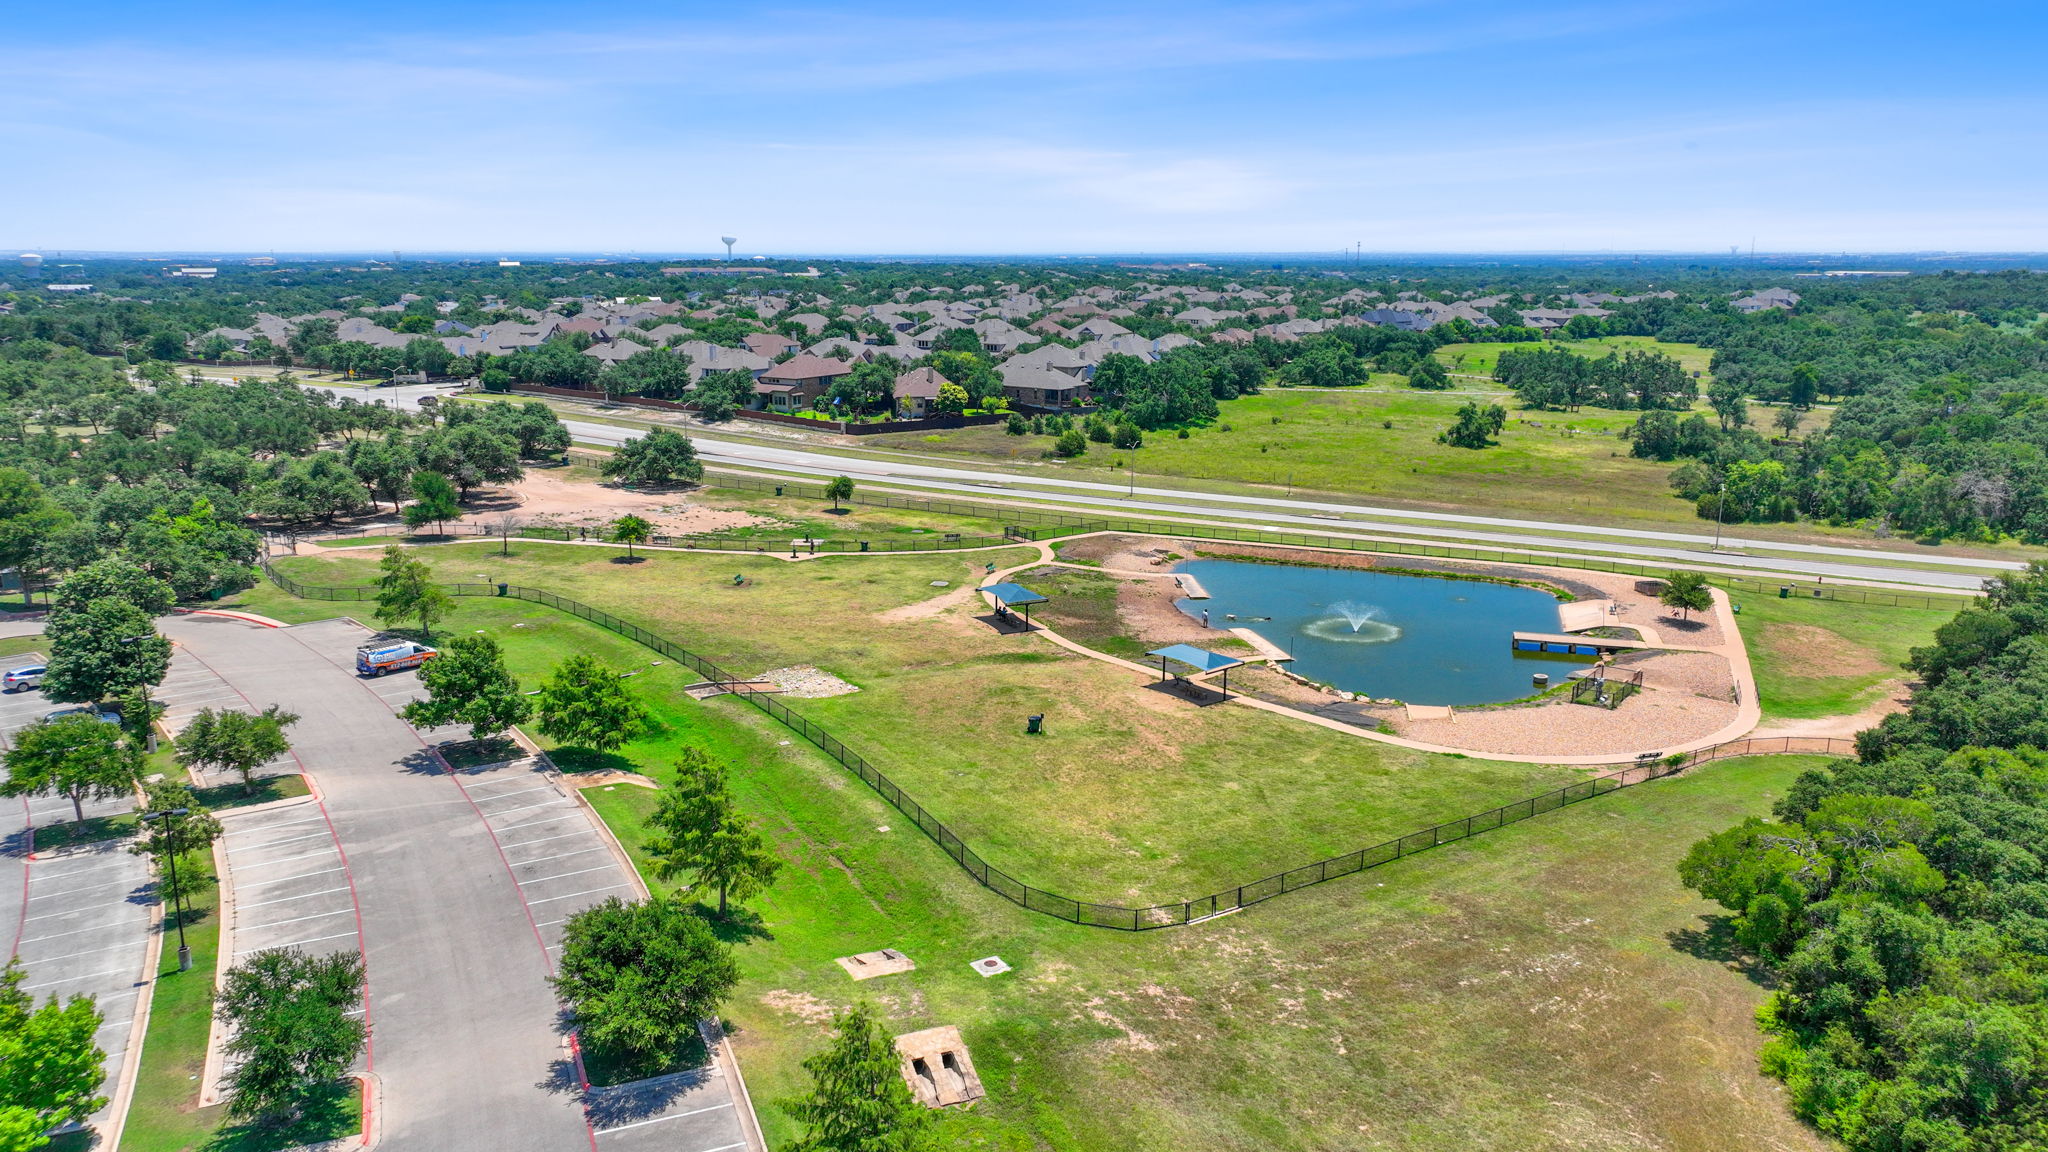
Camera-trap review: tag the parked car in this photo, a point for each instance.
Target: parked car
(105, 717)
(385, 658)
(23, 679)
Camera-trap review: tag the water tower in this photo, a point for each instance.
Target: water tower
(729, 242)
(31, 260)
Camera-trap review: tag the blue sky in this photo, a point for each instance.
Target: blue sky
(1686, 125)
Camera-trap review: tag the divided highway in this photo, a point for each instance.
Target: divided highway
(1945, 573)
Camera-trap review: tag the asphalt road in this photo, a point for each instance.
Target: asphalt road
(907, 470)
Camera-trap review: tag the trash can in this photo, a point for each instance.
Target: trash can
(863, 545)
(778, 489)
(503, 588)
(1034, 725)
(1784, 591)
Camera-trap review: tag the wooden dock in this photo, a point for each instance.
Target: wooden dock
(1574, 645)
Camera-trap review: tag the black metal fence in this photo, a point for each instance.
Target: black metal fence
(934, 542)
(1088, 912)
(1606, 691)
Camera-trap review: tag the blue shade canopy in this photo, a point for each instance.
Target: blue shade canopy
(1199, 658)
(1011, 595)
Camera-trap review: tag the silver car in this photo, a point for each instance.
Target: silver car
(82, 710)
(23, 679)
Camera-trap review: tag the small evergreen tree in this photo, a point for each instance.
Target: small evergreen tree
(858, 1100)
(699, 833)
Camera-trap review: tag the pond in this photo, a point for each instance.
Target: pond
(1419, 639)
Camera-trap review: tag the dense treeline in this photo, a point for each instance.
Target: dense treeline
(169, 471)
(1900, 901)
(1550, 377)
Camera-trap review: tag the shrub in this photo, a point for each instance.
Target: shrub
(1070, 444)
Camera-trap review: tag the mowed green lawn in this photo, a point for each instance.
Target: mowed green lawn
(1545, 985)
(1100, 807)
(1829, 658)
(1549, 985)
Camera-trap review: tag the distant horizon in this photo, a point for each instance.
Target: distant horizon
(384, 255)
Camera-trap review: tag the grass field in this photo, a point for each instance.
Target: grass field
(1547, 985)
(1479, 359)
(1097, 808)
(1571, 465)
(1828, 658)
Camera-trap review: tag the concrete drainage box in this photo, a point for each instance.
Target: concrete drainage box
(869, 965)
(937, 1067)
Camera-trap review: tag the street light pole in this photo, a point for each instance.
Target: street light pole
(1720, 509)
(177, 894)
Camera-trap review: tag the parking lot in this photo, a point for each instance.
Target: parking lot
(191, 685)
(79, 920)
(561, 864)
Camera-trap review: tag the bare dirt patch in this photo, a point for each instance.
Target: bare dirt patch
(1816, 653)
(546, 498)
(804, 682)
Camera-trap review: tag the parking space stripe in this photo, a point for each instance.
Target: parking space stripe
(566, 875)
(528, 824)
(676, 1116)
(71, 979)
(294, 920)
(73, 955)
(558, 856)
(271, 827)
(290, 899)
(73, 932)
(295, 944)
(543, 839)
(70, 891)
(293, 876)
(572, 895)
(288, 859)
(275, 843)
(521, 792)
(521, 808)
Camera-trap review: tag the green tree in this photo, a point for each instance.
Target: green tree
(1686, 591)
(104, 651)
(470, 455)
(433, 502)
(1803, 387)
(407, 591)
(1730, 404)
(1476, 426)
(660, 458)
(952, 400)
(29, 519)
(700, 833)
(183, 836)
(718, 395)
(640, 975)
(839, 488)
(229, 741)
(116, 579)
(289, 1028)
(76, 757)
(468, 683)
(858, 1100)
(1428, 374)
(1070, 444)
(588, 705)
(50, 1069)
(630, 530)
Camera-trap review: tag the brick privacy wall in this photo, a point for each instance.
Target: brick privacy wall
(839, 426)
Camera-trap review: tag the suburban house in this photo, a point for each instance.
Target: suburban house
(916, 392)
(708, 357)
(770, 344)
(1768, 298)
(1046, 388)
(797, 382)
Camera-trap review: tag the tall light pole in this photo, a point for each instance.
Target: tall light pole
(169, 816)
(1720, 509)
